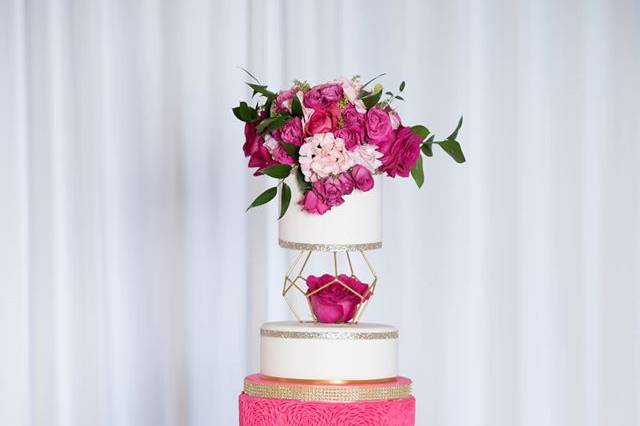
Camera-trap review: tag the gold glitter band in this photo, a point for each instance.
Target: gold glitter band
(331, 335)
(330, 382)
(330, 247)
(326, 393)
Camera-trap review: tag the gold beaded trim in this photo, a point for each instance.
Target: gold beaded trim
(326, 393)
(330, 335)
(330, 247)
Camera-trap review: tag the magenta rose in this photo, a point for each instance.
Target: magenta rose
(351, 135)
(313, 204)
(283, 97)
(362, 178)
(331, 301)
(352, 117)
(330, 191)
(345, 181)
(259, 155)
(401, 153)
(319, 97)
(378, 125)
(319, 122)
(291, 132)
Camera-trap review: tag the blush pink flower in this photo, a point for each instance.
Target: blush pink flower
(259, 155)
(277, 152)
(351, 90)
(323, 155)
(394, 117)
(401, 153)
(362, 178)
(378, 125)
(332, 302)
(283, 100)
(368, 156)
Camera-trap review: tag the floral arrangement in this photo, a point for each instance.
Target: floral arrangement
(333, 137)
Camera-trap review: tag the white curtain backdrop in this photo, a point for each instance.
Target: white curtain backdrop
(133, 284)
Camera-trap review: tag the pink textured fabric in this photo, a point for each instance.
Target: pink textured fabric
(283, 412)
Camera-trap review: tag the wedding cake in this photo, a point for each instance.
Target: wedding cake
(329, 146)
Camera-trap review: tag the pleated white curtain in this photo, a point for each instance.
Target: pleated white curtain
(133, 285)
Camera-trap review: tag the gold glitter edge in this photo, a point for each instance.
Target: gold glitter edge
(330, 335)
(329, 247)
(326, 393)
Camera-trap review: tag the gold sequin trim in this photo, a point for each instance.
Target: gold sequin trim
(326, 393)
(330, 247)
(330, 335)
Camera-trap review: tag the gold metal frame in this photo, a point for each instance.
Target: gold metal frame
(292, 281)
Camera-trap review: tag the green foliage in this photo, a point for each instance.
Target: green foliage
(278, 171)
(264, 198)
(372, 100)
(244, 112)
(270, 124)
(417, 172)
(296, 107)
(285, 199)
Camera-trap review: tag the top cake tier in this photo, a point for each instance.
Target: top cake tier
(355, 225)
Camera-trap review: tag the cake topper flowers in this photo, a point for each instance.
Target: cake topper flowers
(333, 137)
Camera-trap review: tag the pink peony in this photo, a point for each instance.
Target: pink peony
(352, 117)
(291, 132)
(319, 97)
(345, 181)
(401, 153)
(331, 301)
(362, 178)
(323, 155)
(312, 203)
(367, 155)
(259, 155)
(352, 136)
(378, 125)
(283, 100)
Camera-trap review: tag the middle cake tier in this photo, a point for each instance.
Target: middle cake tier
(328, 352)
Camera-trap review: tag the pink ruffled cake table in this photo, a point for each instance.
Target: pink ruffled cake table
(269, 402)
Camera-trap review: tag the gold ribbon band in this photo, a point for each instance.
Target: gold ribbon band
(330, 247)
(330, 335)
(330, 382)
(326, 393)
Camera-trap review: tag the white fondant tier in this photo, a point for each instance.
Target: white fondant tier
(356, 224)
(328, 352)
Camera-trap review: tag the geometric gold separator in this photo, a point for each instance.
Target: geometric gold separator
(296, 278)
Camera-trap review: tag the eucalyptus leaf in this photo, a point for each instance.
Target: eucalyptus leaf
(454, 150)
(421, 131)
(264, 198)
(402, 86)
(278, 171)
(417, 172)
(292, 150)
(372, 100)
(400, 98)
(296, 107)
(285, 199)
(245, 113)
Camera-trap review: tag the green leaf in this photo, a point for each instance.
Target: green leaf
(372, 80)
(304, 185)
(267, 106)
(454, 135)
(296, 107)
(426, 150)
(372, 100)
(454, 150)
(250, 75)
(264, 198)
(262, 89)
(285, 199)
(388, 93)
(278, 171)
(402, 86)
(245, 113)
(292, 150)
(417, 173)
(400, 98)
(270, 124)
(421, 131)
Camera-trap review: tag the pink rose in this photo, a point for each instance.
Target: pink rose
(291, 132)
(346, 183)
(277, 152)
(259, 155)
(352, 117)
(330, 191)
(320, 122)
(335, 303)
(313, 204)
(362, 177)
(319, 97)
(283, 100)
(378, 125)
(400, 154)
(351, 135)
